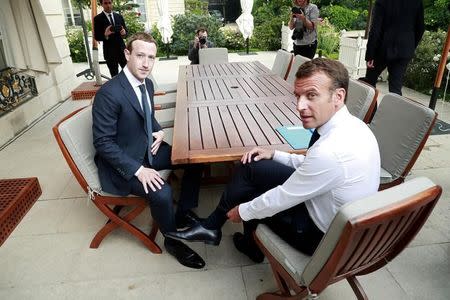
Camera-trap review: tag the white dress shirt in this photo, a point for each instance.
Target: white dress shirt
(342, 166)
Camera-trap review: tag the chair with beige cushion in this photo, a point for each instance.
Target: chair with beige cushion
(209, 56)
(298, 61)
(363, 237)
(361, 99)
(402, 127)
(74, 136)
(282, 63)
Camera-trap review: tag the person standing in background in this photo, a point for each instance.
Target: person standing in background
(110, 29)
(396, 30)
(304, 21)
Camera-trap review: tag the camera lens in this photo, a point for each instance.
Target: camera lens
(202, 40)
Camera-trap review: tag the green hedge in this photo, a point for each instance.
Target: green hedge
(76, 45)
(422, 69)
(345, 18)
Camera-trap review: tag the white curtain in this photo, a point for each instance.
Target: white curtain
(245, 20)
(29, 43)
(164, 24)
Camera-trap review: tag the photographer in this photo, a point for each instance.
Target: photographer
(304, 21)
(110, 29)
(200, 42)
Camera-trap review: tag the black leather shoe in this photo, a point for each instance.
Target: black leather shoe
(189, 219)
(185, 255)
(198, 233)
(248, 247)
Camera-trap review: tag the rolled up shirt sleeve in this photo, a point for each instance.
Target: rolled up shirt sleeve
(317, 173)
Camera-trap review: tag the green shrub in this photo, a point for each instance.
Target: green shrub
(422, 69)
(133, 22)
(184, 27)
(233, 39)
(327, 38)
(344, 18)
(76, 45)
(436, 17)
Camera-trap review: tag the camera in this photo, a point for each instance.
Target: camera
(297, 10)
(202, 40)
(298, 31)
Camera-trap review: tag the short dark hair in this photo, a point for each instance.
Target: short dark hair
(139, 36)
(333, 69)
(201, 29)
(101, 2)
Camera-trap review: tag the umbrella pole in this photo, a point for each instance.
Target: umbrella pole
(246, 41)
(167, 50)
(440, 72)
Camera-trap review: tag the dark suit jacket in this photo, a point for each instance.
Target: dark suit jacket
(396, 30)
(119, 134)
(113, 46)
(193, 52)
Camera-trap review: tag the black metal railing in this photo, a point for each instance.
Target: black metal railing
(16, 88)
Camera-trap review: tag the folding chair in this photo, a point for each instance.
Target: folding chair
(209, 56)
(282, 63)
(361, 99)
(298, 61)
(74, 136)
(402, 127)
(364, 236)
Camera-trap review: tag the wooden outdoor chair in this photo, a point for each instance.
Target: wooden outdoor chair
(163, 89)
(282, 63)
(209, 56)
(298, 61)
(402, 127)
(361, 99)
(74, 136)
(363, 237)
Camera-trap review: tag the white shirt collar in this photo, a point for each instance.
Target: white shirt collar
(135, 83)
(337, 118)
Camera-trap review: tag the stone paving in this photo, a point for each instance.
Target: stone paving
(48, 254)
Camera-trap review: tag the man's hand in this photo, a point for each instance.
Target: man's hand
(122, 31)
(233, 215)
(159, 136)
(259, 153)
(150, 177)
(196, 41)
(108, 31)
(370, 64)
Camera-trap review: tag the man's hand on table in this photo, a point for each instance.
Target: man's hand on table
(150, 178)
(233, 215)
(257, 154)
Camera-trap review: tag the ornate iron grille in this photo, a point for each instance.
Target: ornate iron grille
(16, 88)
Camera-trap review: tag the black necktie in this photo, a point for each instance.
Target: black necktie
(148, 121)
(111, 19)
(314, 137)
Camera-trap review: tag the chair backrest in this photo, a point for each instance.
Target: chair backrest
(74, 137)
(402, 127)
(282, 63)
(209, 56)
(363, 237)
(361, 99)
(298, 61)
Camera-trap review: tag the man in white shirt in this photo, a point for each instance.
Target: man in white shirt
(299, 195)
(130, 149)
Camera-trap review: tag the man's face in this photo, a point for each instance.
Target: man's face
(203, 34)
(316, 104)
(107, 5)
(301, 3)
(141, 59)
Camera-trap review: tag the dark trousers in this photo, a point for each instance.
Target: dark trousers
(251, 180)
(161, 201)
(396, 69)
(113, 64)
(306, 50)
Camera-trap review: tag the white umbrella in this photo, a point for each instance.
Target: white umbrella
(164, 24)
(245, 20)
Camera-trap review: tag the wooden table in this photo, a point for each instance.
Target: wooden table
(17, 196)
(224, 110)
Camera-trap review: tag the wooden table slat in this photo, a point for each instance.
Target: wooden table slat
(241, 126)
(278, 114)
(233, 136)
(223, 89)
(218, 128)
(195, 135)
(256, 131)
(208, 138)
(268, 130)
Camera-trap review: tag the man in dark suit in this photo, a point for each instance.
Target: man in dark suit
(396, 30)
(130, 148)
(200, 42)
(110, 29)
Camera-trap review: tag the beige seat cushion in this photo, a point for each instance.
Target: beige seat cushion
(281, 63)
(359, 98)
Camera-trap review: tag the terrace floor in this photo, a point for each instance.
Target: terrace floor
(48, 255)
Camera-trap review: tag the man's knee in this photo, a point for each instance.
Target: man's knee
(161, 197)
